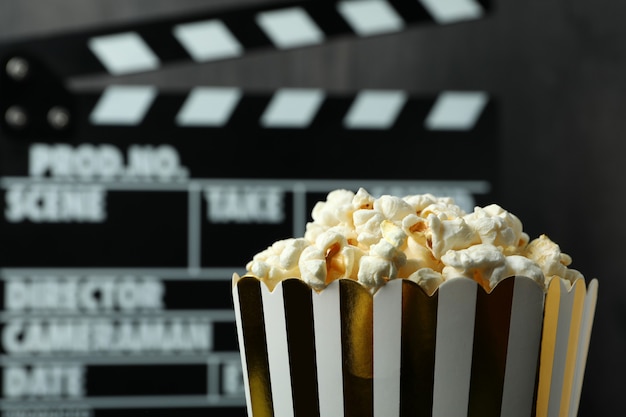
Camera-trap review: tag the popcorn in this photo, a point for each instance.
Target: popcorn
(337, 208)
(521, 266)
(498, 227)
(445, 235)
(423, 238)
(548, 255)
(499, 351)
(313, 267)
(367, 226)
(426, 278)
(483, 263)
(278, 261)
(393, 208)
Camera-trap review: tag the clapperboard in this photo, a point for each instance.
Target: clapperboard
(119, 230)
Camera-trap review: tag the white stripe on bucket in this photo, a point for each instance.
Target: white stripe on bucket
(456, 314)
(560, 348)
(387, 349)
(277, 350)
(242, 350)
(326, 311)
(583, 345)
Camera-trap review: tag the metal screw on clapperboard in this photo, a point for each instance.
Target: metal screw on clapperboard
(17, 69)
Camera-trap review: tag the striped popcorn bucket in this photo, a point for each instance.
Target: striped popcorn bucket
(516, 351)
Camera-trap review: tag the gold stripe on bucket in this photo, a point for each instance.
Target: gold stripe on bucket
(356, 306)
(301, 339)
(578, 292)
(548, 344)
(491, 336)
(417, 369)
(255, 346)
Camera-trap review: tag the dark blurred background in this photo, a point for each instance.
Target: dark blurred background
(557, 69)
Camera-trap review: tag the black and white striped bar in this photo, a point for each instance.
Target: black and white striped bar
(253, 129)
(288, 108)
(210, 36)
(267, 129)
(460, 352)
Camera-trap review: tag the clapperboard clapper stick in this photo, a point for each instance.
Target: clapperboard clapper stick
(37, 105)
(129, 153)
